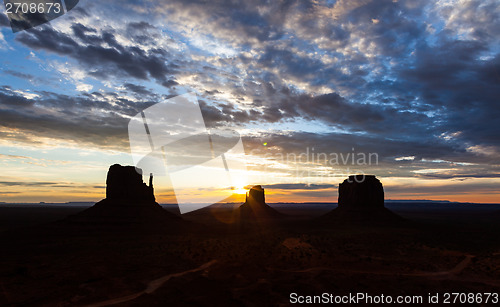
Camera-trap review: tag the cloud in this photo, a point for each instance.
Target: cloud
(4, 21)
(329, 155)
(8, 97)
(473, 20)
(34, 184)
(453, 78)
(19, 74)
(101, 54)
(77, 123)
(138, 89)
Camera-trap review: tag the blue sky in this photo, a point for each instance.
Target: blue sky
(416, 82)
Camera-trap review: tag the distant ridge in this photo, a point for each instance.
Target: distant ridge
(417, 201)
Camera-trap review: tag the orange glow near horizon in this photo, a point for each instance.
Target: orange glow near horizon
(239, 190)
(85, 182)
(272, 196)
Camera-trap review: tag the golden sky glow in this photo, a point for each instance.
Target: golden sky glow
(37, 176)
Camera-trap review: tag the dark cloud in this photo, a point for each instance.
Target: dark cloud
(13, 99)
(372, 155)
(461, 87)
(19, 74)
(225, 114)
(85, 34)
(4, 21)
(395, 27)
(138, 89)
(290, 63)
(71, 118)
(46, 38)
(251, 20)
(477, 17)
(169, 83)
(34, 184)
(336, 110)
(100, 53)
(302, 142)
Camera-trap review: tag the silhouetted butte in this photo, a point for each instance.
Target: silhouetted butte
(129, 202)
(361, 191)
(361, 202)
(124, 183)
(255, 205)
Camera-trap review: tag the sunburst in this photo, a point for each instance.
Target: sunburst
(239, 188)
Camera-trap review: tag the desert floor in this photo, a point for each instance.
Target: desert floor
(440, 248)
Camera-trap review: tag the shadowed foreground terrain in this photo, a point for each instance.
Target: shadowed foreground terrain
(443, 248)
(195, 260)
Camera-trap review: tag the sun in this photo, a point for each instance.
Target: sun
(239, 190)
(239, 187)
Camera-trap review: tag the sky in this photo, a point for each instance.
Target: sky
(410, 89)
